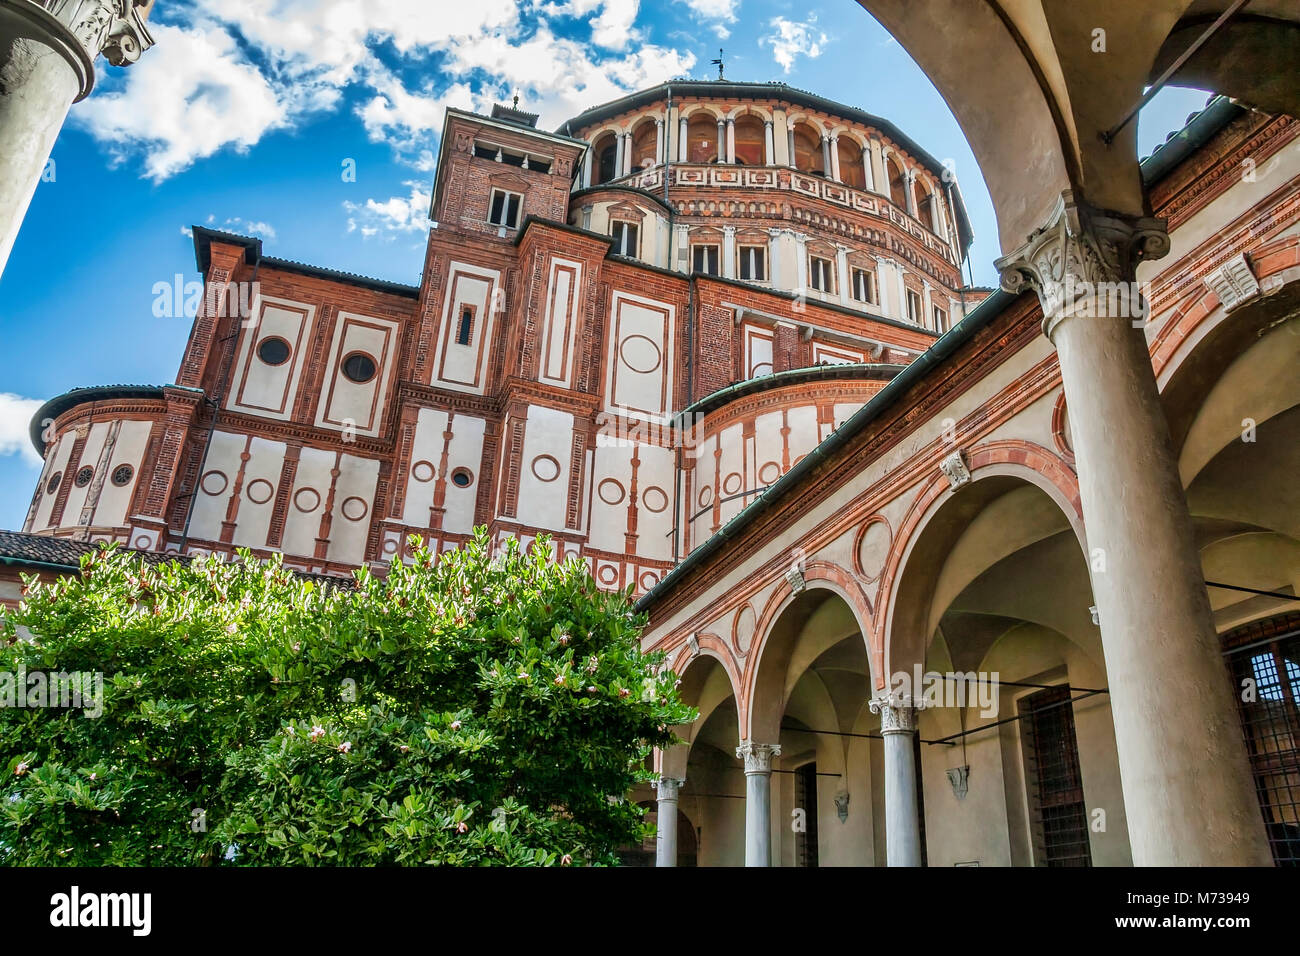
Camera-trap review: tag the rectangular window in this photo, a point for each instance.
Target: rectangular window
(821, 274)
(626, 239)
(805, 799)
(864, 285)
(940, 319)
(504, 210)
(913, 307)
(704, 260)
(465, 326)
(1058, 820)
(753, 263)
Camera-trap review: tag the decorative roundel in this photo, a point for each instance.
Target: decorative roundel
(655, 499)
(611, 491)
(390, 546)
(354, 508)
(423, 471)
(273, 350)
(122, 475)
(359, 367)
(259, 491)
(731, 484)
(706, 496)
(53, 485)
(873, 547)
(462, 478)
(648, 580)
(143, 542)
(214, 483)
(769, 473)
(84, 476)
(607, 574)
(546, 468)
(640, 354)
(306, 500)
(742, 629)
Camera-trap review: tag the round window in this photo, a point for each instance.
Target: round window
(462, 478)
(122, 475)
(53, 484)
(273, 351)
(359, 367)
(84, 476)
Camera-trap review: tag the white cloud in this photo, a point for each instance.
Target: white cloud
(392, 216)
(192, 95)
(248, 227)
(717, 13)
(790, 40)
(15, 418)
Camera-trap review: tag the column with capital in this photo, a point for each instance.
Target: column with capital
(722, 141)
(47, 57)
(729, 252)
(586, 167)
(769, 144)
(620, 149)
(731, 139)
(659, 140)
(666, 789)
(834, 150)
(683, 146)
(902, 817)
(842, 272)
(826, 156)
(758, 800)
(1188, 792)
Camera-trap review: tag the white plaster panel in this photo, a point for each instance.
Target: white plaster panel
(59, 457)
(89, 456)
(358, 406)
(612, 475)
(261, 479)
(301, 526)
(354, 501)
(216, 485)
(560, 330)
(465, 367)
(464, 451)
(129, 449)
(544, 470)
(639, 378)
(270, 390)
(655, 504)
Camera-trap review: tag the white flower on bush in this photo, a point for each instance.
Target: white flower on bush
(345, 748)
(317, 732)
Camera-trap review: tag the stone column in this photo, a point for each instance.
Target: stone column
(910, 179)
(683, 144)
(774, 257)
(758, 800)
(620, 149)
(826, 156)
(722, 141)
(800, 264)
(1188, 791)
(868, 172)
(834, 149)
(586, 168)
(731, 140)
(789, 134)
(842, 272)
(666, 840)
(927, 311)
(769, 144)
(46, 65)
(659, 140)
(902, 819)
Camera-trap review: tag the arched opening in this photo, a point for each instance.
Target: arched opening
(809, 694)
(644, 853)
(751, 140)
(927, 206)
(808, 156)
(605, 149)
(852, 171)
(645, 140)
(702, 138)
(897, 183)
(992, 610)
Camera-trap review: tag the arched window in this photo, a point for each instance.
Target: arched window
(852, 172)
(927, 207)
(897, 183)
(702, 139)
(751, 141)
(808, 150)
(606, 153)
(644, 141)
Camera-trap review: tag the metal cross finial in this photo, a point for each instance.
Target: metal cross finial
(516, 101)
(718, 63)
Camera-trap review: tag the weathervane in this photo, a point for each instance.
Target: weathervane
(718, 63)
(516, 101)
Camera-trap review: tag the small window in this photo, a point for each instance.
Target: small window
(54, 483)
(504, 210)
(122, 475)
(704, 260)
(864, 285)
(940, 319)
(753, 263)
(822, 274)
(359, 367)
(626, 239)
(462, 478)
(465, 327)
(84, 476)
(273, 350)
(913, 307)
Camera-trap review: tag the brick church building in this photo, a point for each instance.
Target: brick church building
(713, 338)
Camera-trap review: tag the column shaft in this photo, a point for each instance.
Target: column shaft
(758, 801)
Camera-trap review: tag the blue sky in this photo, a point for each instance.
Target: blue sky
(243, 115)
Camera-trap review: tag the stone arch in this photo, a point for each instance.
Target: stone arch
(644, 142)
(751, 139)
(702, 136)
(774, 637)
(604, 151)
(807, 137)
(902, 621)
(694, 109)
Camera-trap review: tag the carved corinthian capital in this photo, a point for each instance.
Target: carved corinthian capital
(668, 787)
(758, 757)
(1078, 252)
(80, 30)
(897, 713)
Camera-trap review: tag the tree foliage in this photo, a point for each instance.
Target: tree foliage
(473, 709)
